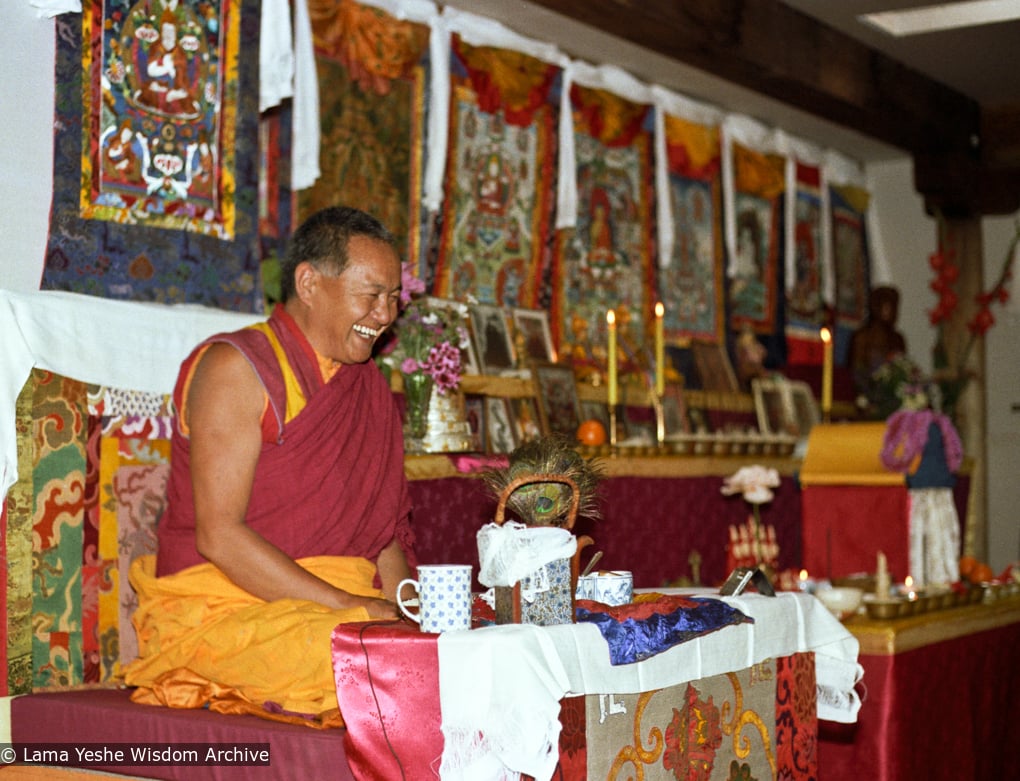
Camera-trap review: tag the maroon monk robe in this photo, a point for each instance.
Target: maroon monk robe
(330, 483)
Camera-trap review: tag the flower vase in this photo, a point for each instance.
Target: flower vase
(417, 395)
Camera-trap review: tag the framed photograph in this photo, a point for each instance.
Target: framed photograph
(468, 356)
(474, 411)
(674, 411)
(806, 413)
(492, 339)
(499, 425)
(557, 398)
(532, 326)
(712, 363)
(773, 406)
(699, 421)
(526, 419)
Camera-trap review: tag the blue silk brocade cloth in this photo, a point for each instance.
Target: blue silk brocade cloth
(644, 628)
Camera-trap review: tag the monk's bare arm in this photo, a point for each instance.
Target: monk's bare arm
(224, 409)
(392, 565)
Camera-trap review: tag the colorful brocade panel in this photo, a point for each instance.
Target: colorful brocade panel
(750, 725)
(93, 464)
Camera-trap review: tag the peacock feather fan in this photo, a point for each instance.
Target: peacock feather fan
(546, 502)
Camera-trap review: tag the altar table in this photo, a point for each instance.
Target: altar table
(404, 693)
(940, 696)
(654, 515)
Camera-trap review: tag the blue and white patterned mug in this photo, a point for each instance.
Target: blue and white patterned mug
(444, 597)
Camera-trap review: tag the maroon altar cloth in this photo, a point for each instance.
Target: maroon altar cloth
(945, 711)
(650, 525)
(844, 527)
(107, 716)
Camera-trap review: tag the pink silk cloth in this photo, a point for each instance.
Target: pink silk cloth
(331, 483)
(389, 700)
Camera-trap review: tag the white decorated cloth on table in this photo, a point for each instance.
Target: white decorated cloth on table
(500, 687)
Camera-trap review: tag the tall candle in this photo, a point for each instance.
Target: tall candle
(611, 378)
(826, 372)
(882, 577)
(660, 351)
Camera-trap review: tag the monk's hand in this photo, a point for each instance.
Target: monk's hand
(381, 608)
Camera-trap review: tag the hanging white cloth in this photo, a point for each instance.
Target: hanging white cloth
(934, 536)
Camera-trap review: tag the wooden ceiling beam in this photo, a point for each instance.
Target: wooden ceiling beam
(772, 49)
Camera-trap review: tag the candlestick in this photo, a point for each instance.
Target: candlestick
(611, 392)
(660, 352)
(882, 578)
(826, 374)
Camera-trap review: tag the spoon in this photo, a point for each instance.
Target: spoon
(592, 563)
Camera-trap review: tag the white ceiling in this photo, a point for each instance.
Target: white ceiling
(981, 62)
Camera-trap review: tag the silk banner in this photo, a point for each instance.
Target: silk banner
(373, 72)
(497, 206)
(155, 161)
(605, 261)
(691, 282)
(759, 184)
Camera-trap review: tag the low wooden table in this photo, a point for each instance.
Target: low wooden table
(940, 692)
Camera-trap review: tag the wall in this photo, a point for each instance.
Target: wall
(907, 237)
(26, 143)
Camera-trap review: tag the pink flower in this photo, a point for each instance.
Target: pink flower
(410, 285)
(753, 482)
(410, 365)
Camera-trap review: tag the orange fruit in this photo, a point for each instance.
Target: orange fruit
(592, 433)
(967, 564)
(982, 573)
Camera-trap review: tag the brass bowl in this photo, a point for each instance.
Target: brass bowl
(883, 609)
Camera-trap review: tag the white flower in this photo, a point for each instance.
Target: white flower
(753, 482)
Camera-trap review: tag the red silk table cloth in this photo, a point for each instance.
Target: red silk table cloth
(758, 720)
(940, 695)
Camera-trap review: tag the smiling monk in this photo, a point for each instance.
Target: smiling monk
(287, 502)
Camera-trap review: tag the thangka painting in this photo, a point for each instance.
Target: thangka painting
(605, 262)
(496, 212)
(373, 71)
(155, 148)
(759, 184)
(805, 288)
(690, 282)
(851, 264)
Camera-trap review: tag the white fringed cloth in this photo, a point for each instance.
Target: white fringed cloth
(500, 686)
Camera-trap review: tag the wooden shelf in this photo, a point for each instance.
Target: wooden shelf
(630, 395)
(622, 464)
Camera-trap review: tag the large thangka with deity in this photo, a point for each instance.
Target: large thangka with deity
(605, 261)
(161, 136)
(759, 184)
(690, 279)
(497, 206)
(155, 153)
(372, 72)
